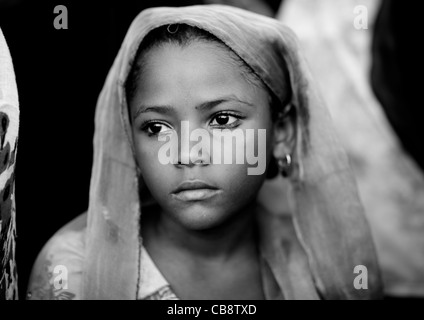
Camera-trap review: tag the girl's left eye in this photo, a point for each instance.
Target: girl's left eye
(224, 119)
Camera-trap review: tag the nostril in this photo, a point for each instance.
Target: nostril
(201, 162)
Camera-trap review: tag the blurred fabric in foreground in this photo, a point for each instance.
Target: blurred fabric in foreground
(9, 125)
(390, 182)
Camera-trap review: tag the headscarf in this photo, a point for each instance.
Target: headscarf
(330, 228)
(9, 125)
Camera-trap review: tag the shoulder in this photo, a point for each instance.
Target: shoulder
(57, 272)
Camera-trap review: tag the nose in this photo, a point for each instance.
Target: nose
(193, 154)
(194, 147)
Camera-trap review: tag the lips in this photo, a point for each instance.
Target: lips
(194, 190)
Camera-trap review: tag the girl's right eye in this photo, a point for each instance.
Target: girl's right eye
(155, 128)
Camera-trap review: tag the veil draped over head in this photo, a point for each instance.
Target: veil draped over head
(330, 228)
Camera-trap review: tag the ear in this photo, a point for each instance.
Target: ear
(284, 134)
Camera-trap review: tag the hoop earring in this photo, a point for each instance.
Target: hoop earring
(172, 28)
(285, 165)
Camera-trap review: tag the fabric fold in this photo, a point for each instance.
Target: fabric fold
(9, 127)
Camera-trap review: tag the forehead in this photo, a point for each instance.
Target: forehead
(199, 71)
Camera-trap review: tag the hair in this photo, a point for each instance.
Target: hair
(183, 35)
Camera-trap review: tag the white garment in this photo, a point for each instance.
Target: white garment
(63, 263)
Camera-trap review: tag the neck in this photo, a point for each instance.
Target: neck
(218, 243)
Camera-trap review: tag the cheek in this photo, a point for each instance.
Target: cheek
(240, 188)
(152, 171)
(259, 141)
(146, 154)
(237, 178)
(265, 150)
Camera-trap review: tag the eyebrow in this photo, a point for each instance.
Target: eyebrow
(167, 109)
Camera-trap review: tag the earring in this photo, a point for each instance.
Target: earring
(172, 28)
(285, 165)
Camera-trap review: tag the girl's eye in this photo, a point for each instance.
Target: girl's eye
(224, 120)
(154, 128)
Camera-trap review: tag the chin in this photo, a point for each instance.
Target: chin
(196, 219)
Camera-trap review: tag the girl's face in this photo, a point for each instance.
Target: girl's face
(203, 86)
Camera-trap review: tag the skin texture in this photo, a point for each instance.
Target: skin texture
(208, 243)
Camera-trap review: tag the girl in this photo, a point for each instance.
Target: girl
(195, 227)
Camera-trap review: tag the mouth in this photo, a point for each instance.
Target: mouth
(194, 190)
